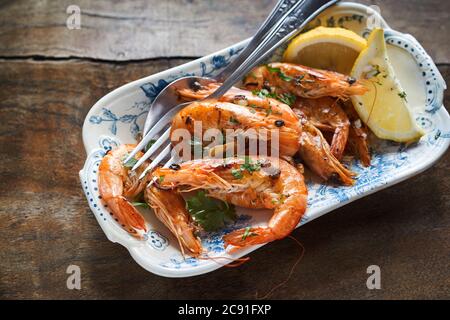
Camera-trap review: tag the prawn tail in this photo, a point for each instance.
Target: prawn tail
(339, 142)
(249, 236)
(169, 208)
(128, 216)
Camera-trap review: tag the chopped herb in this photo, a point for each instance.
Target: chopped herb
(287, 98)
(403, 95)
(234, 120)
(237, 173)
(209, 213)
(281, 74)
(374, 72)
(140, 204)
(263, 94)
(281, 199)
(161, 179)
(130, 163)
(285, 77)
(150, 144)
(273, 70)
(246, 233)
(249, 166)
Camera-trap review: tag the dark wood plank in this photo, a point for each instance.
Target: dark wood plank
(144, 29)
(46, 223)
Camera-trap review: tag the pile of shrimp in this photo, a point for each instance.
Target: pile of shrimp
(316, 128)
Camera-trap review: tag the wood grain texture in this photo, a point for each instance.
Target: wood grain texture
(147, 29)
(47, 225)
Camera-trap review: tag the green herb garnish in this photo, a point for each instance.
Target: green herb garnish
(374, 72)
(140, 204)
(249, 166)
(149, 144)
(264, 93)
(130, 163)
(234, 120)
(403, 95)
(287, 98)
(237, 173)
(281, 74)
(161, 179)
(211, 214)
(246, 233)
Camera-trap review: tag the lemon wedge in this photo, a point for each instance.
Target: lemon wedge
(333, 49)
(384, 108)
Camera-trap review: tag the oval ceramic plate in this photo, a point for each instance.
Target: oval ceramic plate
(119, 116)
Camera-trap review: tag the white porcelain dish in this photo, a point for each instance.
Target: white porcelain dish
(119, 116)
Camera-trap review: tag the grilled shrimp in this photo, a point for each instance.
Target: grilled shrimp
(252, 182)
(170, 209)
(310, 144)
(251, 112)
(303, 81)
(358, 135)
(117, 185)
(326, 114)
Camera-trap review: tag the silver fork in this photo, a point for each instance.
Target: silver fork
(168, 98)
(290, 25)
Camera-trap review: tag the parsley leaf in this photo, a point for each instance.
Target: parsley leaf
(211, 214)
(246, 233)
(149, 144)
(237, 173)
(287, 98)
(249, 166)
(130, 163)
(281, 74)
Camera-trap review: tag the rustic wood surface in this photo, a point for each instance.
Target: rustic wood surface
(50, 77)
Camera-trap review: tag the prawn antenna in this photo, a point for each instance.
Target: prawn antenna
(291, 272)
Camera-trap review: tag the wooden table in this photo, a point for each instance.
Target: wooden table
(49, 78)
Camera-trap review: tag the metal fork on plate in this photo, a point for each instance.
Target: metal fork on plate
(284, 22)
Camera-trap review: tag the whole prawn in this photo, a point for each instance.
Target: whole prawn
(118, 185)
(262, 182)
(243, 111)
(294, 136)
(303, 81)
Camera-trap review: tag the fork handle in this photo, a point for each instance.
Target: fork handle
(287, 28)
(279, 11)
